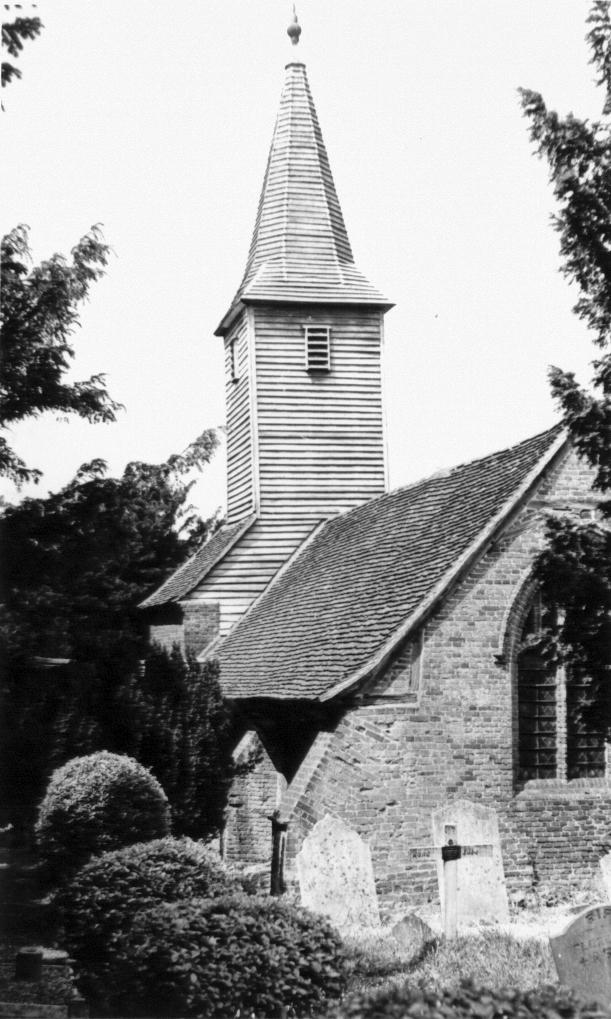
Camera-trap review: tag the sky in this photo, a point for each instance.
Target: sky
(155, 120)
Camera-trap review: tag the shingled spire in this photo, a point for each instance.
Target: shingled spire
(300, 250)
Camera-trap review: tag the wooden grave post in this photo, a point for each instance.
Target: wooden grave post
(451, 854)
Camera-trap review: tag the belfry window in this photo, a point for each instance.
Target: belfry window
(560, 733)
(318, 348)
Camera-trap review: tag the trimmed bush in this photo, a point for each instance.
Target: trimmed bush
(99, 803)
(213, 958)
(468, 1001)
(97, 906)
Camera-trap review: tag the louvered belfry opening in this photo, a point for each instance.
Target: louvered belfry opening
(318, 348)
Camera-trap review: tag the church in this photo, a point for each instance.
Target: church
(379, 647)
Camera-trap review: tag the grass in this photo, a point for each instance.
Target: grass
(493, 959)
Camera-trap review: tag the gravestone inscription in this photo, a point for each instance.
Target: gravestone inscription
(582, 953)
(336, 875)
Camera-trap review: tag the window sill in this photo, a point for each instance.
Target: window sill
(545, 788)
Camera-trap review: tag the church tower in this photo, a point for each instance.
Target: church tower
(302, 340)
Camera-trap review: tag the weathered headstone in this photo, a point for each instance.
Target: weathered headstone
(336, 875)
(582, 953)
(412, 934)
(474, 879)
(605, 868)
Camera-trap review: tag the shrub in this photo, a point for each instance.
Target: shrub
(99, 903)
(468, 1001)
(98, 803)
(213, 958)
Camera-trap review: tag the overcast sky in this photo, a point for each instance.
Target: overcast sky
(155, 120)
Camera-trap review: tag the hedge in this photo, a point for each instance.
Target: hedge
(465, 1003)
(97, 906)
(98, 803)
(236, 955)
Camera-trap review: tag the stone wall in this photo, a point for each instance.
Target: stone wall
(389, 765)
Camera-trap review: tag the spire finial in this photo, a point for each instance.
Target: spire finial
(294, 29)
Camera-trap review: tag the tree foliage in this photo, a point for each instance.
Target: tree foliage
(78, 562)
(14, 35)
(180, 728)
(168, 714)
(575, 568)
(40, 312)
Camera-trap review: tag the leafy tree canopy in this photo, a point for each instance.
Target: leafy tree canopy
(575, 568)
(78, 562)
(14, 34)
(39, 315)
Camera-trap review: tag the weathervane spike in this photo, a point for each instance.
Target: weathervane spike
(294, 29)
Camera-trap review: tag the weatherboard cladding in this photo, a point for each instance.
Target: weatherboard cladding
(240, 481)
(320, 435)
(363, 574)
(300, 249)
(254, 559)
(187, 576)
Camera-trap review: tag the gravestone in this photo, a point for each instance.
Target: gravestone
(582, 953)
(605, 867)
(336, 875)
(478, 880)
(412, 934)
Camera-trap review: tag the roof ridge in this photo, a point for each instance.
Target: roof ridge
(446, 472)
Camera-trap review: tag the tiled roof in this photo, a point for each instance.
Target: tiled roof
(353, 587)
(300, 249)
(191, 573)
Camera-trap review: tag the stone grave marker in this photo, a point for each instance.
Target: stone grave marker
(467, 853)
(412, 934)
(582, 953)
(336, 875)
(605, 867)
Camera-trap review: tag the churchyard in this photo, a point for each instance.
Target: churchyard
(474, 950)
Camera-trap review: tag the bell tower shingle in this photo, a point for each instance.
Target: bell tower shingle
(300, 251)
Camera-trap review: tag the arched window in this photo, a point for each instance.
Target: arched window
(560, 733)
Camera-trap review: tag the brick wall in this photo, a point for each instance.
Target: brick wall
(167, 635)
(201, 623)
(191, 625)
(252, 801)
(388, 766)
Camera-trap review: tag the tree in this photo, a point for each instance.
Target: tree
(76, 566)
(39, 316)
(169, 715)
(14, 34)
(78, 562)
(575, 568)
(177, 724)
